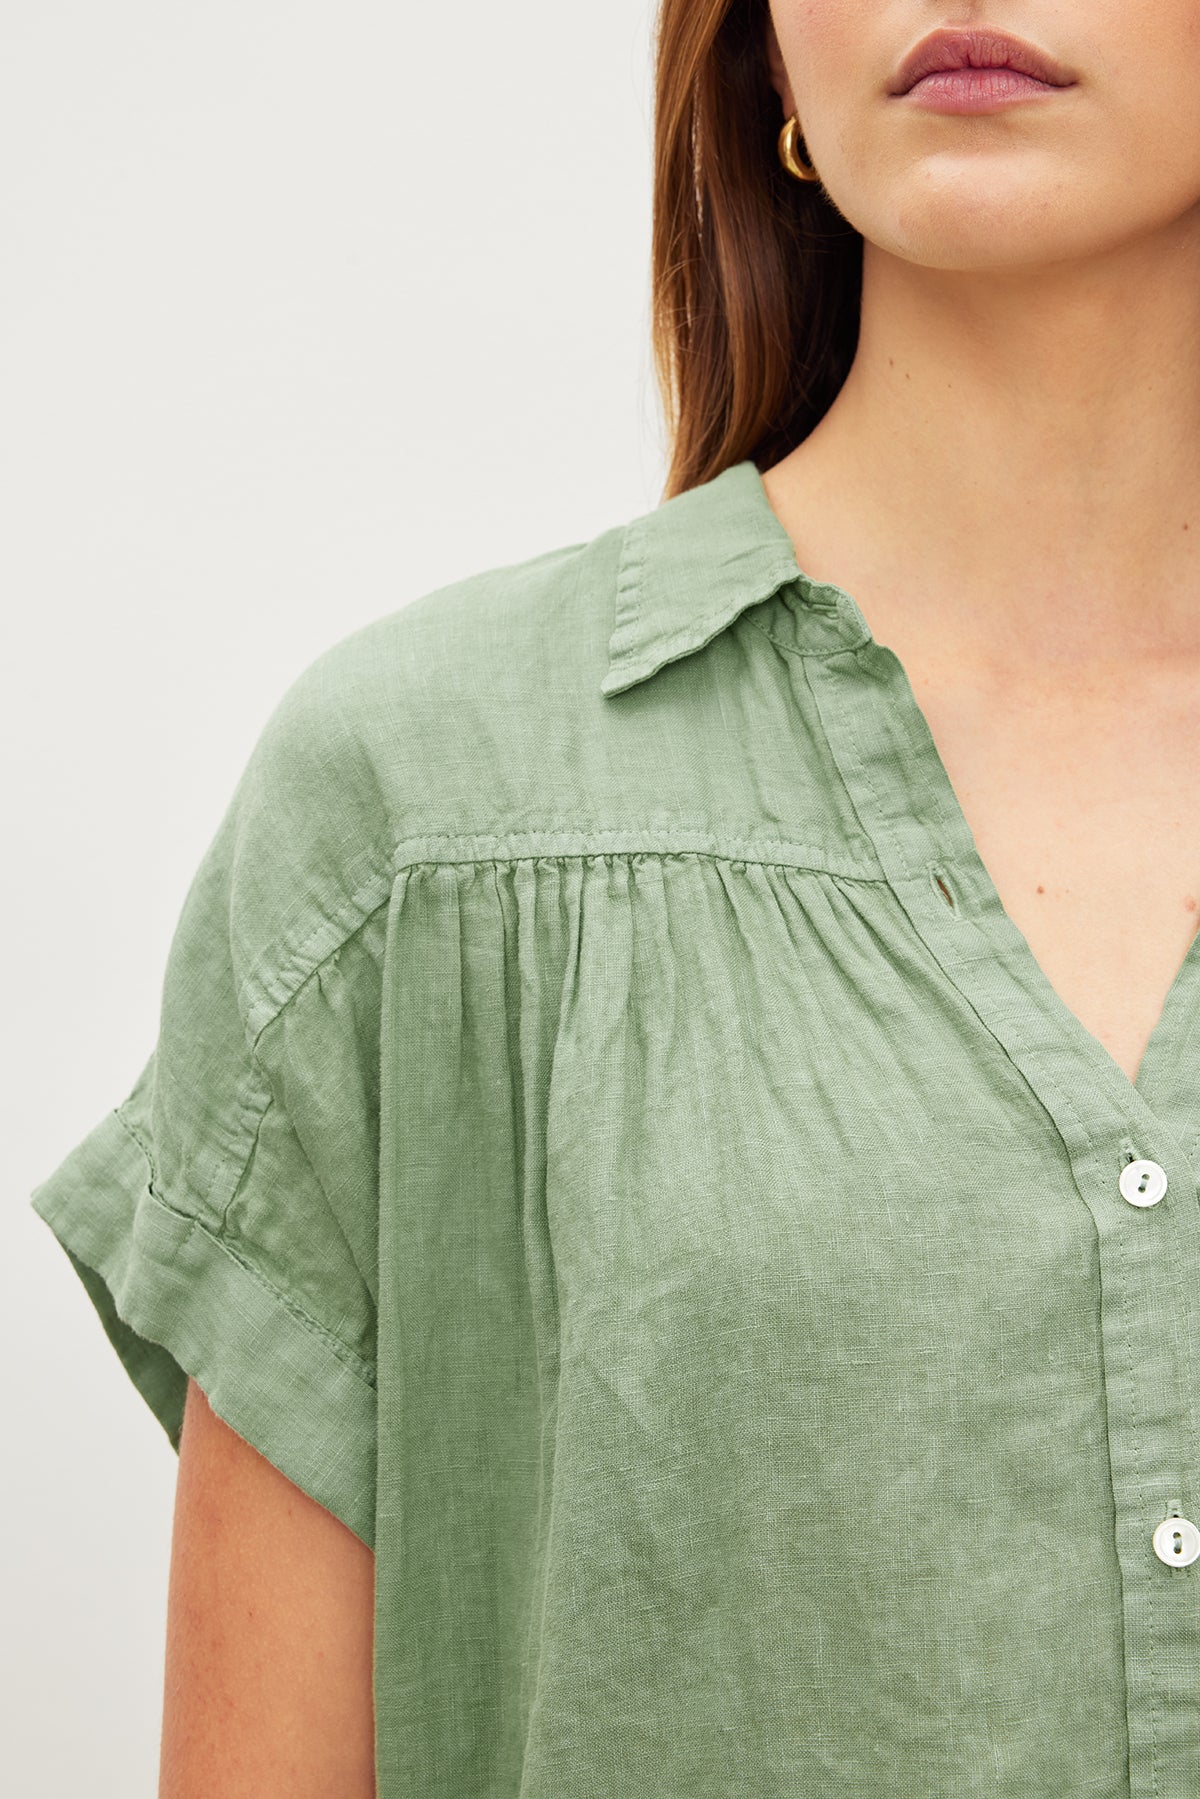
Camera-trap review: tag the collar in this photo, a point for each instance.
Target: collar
(688, 568)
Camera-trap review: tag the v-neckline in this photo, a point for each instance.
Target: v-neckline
(1183, 995)
(910, 809)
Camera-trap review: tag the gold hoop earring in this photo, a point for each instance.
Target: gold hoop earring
(803, 171)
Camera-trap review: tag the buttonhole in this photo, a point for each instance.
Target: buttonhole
(937, 875)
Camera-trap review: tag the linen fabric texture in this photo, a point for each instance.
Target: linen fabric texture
(607, 1143)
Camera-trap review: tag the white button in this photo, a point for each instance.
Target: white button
(1143, 1184)
(1177, 1542)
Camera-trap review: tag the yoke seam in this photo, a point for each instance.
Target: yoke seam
(480, 848)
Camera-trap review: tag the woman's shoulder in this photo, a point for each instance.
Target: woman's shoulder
(522, 658)
(467, 707)
(513, 711)
(444, 720)
(494, 638)
(520, 712)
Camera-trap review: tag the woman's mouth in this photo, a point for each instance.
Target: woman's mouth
(976, 90)
(976, 70)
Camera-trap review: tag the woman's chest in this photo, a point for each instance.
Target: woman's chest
(765, 1091)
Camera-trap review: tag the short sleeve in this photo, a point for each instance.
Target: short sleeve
(223, 1217)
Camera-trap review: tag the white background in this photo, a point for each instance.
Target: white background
(305, 310)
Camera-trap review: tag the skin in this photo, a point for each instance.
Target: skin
(1008, 486)
(1029, 371)
(1009, 481)
(270, 1620)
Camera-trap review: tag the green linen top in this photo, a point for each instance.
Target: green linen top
(607, 1142)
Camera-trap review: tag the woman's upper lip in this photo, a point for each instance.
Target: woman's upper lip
(977, 49)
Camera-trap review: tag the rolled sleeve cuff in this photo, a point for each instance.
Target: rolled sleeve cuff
(176, 1300)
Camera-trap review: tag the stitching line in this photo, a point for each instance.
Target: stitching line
(363, 1370)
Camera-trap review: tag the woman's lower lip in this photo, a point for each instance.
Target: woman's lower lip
(976, 90)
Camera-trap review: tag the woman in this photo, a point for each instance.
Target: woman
(665, 1194)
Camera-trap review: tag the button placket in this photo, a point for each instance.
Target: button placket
(1148, 1261)
(1176, 1539)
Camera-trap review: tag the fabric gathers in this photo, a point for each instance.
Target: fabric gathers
(608, 1143)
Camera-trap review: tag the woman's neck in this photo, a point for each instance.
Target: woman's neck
(1020, 450)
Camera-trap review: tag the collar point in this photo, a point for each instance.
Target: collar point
(620, 677)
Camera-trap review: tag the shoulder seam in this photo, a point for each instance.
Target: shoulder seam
(274, 993)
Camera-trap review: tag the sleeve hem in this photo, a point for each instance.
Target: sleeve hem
(175, 1300)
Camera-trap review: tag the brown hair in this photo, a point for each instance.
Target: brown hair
(756, 277)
